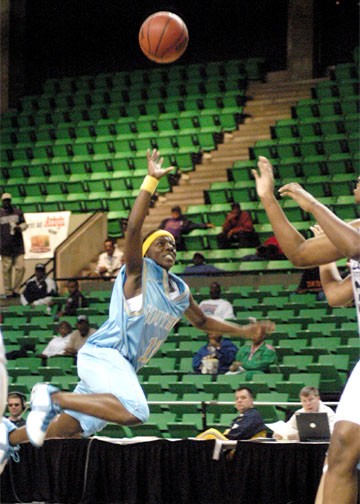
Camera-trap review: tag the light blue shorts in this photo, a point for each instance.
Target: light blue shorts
(106, 371)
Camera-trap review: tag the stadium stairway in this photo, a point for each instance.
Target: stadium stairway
(270, 101)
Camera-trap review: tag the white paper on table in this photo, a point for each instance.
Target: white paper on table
(279, 427)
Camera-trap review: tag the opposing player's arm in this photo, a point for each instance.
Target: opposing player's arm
(301, 252)
(133, 237)
(208, 324)
(338, 290)
(342, 235)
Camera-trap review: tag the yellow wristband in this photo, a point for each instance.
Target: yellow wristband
(149, 184)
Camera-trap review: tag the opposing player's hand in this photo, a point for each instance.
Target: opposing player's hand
(294, 190)
(155, 162)
(264, 177)
(263, 326)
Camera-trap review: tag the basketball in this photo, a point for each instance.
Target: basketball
(163, 37)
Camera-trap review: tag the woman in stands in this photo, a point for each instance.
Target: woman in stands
(147, 301)
(338, 240)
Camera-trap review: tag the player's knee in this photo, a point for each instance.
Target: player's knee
(344, 448)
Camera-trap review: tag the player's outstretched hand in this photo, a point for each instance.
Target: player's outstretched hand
(264, 178)
(262, 326)
(155, 162)
(294, 190)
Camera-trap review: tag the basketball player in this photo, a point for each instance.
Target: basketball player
(147, 301)
(338, 240)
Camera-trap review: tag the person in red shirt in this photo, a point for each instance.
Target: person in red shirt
(238, 229)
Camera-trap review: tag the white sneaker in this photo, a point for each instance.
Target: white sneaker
(6, 450)
(43, 410)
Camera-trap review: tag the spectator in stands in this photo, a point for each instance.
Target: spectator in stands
(247, 425)
(146, 302)
(269, 250)
(339, 239)
(16, 406)
(216, 356)
(79, 337)
(310, 282)
(12, 225)
(75, 300)
(59, 342)
(254, 358)
(311, 403)
(238, 229)
(39, 289)
(179, 225)
(111, 260)
(216, 306)
(200, 267)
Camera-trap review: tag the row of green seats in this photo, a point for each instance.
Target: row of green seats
(330, 88)
(127, 129)
(103, 97)
(326, 106)
(312, 126)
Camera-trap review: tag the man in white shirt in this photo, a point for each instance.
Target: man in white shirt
(311, 402)
(215, 306)
(110, 261)
(59, 342)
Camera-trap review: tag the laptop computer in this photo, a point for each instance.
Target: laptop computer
(313, 427)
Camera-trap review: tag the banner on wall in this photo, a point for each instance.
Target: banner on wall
(44, 233)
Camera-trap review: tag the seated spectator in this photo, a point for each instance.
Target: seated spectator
(59, 342)
(39, 289)
(269, 250)
(110, 261)
(199, 266)
(247, 425)
(254, 358)
(216, 306)
(311, 402)
(238, 229)
(216, 356)
(75, 300)
(78, 337)
(16, 404)
(310, 282)
(179, 225)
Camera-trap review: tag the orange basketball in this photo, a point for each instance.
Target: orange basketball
(163, 37)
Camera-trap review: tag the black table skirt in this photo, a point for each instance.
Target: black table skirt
(91, 471)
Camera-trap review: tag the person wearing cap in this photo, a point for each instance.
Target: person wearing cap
(147, 301)
(238, 229)
(39, 289)
(12, 225)
(179, 225)
(78, 337)
(199, 266)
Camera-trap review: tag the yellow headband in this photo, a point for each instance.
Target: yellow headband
(151, 238)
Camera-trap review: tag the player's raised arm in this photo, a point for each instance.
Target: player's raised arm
(133, 237)
(301, 252)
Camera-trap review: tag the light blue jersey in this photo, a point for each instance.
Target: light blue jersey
(108, 361)
(138, 335)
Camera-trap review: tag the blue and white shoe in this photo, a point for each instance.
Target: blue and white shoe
(43, 410)
(6, 450)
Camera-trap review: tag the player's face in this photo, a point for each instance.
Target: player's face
(357, 191)
(243, 401)
(310, 403)
(163, 251)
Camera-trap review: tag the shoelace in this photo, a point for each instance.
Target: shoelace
(11, 451)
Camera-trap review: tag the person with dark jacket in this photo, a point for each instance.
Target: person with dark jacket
(179, 225)
(12, 225)
(238, 229)
(216, 356)
(75, 300)
(39, 289)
